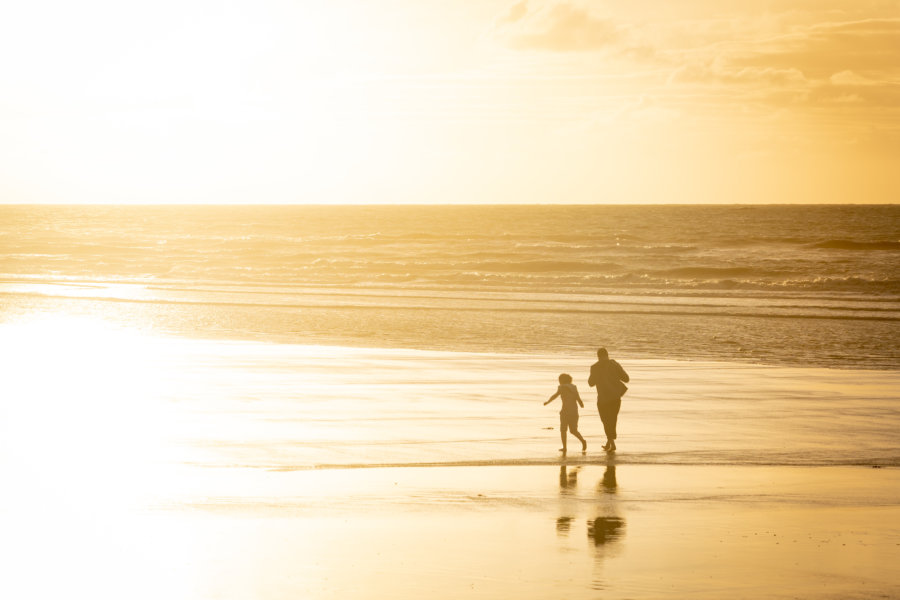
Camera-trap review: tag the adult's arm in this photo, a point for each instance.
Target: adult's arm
(622, 374)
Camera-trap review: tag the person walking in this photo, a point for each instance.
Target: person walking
(568, 414)
(608, 377)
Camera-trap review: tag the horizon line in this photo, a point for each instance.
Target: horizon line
(441, 204)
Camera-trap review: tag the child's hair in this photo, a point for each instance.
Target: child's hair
(565, 378)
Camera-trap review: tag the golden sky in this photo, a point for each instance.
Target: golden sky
(422, 101)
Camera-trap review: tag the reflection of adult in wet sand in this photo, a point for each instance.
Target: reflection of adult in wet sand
(568, 415)
(603, 530)
(607, 528)
(608, 376)
(609, 483)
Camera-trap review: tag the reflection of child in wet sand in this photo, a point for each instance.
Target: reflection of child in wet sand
(568, 415)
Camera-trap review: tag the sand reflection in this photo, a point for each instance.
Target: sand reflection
(568, 483)
(568, 479)
(603, 530)
(606, 526)
(563, 525)
(606, 530)
(609, 484)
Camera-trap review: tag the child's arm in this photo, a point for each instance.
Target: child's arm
(552, 398)
(578, 397)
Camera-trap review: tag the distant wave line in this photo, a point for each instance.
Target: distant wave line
(641, 292)
(853, 245)
(454, 308)
(628, 285)
(387, 294)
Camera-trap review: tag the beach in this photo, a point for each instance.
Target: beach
(254, 470)
(482, 532)
(339, 402)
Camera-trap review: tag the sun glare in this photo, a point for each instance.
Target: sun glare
(85, 446)
(84, 411)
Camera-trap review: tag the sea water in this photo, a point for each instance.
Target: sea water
(776, 285)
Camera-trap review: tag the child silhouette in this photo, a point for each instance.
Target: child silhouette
(568, 415)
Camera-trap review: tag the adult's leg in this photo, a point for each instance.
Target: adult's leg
(604, 418)
(612, 417)
(614, 406)
(603, 409)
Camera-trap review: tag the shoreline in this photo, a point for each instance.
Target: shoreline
(570, 462)
(82, 322)
(505, 325)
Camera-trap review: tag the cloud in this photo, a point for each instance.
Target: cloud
(837, 57)
(849, 87)
(720, 71)
(773, 49)
(850, 78)
(559, 28)
(516, 12)
(868, 47)
(844, 63)
(870, 94)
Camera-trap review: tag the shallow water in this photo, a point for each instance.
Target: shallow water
(280, 406)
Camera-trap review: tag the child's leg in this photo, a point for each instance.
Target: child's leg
(574, 431)
(563, 426)
(573, 428)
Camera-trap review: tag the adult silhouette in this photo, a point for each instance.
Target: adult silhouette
(608, 376)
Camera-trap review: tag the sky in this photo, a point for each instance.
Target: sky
(465, 101)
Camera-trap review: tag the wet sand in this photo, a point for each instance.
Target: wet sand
(594, 529)
(210, 470)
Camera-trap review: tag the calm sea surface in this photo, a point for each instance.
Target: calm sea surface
(789, 285)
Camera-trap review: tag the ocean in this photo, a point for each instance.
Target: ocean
(770, 285)
(279, 337)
